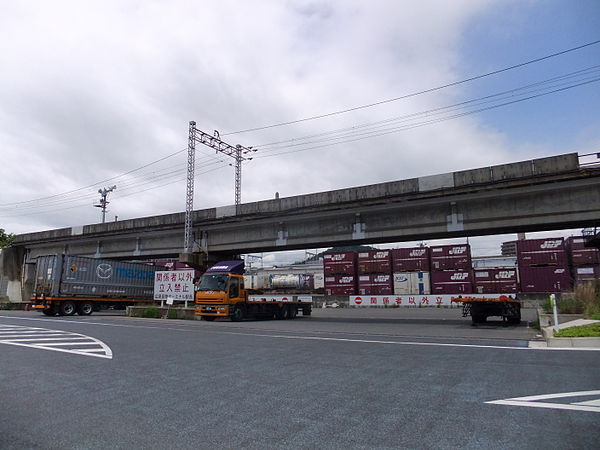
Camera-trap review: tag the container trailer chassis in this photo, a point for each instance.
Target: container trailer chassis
(68, 306)
(480, 309)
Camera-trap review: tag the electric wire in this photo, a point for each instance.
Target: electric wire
(414, 94)
(481, 100)
(357, 130)
(424, 123)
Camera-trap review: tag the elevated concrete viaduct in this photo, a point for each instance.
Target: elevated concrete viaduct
(536, 195)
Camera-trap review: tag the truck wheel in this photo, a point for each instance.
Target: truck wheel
(292, 311)
(237, 314)
(478, 318)
(85, 309)
(279, 312)
(208, 318)
(66, 309)
(49, 312)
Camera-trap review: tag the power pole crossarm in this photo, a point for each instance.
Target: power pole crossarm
(103, 201)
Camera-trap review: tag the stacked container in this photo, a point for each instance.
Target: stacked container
(339, 270)
(375, 272)
(410, 268)
(451, 269)
(543, 265)
(584, 261)
(495, 281)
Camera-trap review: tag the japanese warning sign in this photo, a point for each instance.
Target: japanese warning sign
(175, 284)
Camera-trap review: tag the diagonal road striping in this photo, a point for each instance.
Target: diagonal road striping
(54, 340)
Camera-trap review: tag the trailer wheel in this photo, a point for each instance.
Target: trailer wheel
(279, 312)
(292, 311)
(237, 314)
(49, 311)
(85, 309)
(208, 318)
(67, 309)
(478, 318)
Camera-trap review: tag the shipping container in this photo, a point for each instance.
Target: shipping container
(495, 281)
(544, 279)
(579, 254)
(541, 252)
(319, 281)
(412, 283)
(375, 261)
(256, 281)
(339, 263)
(340, 284)
(586, 273)
(292, 281)
(76, 276)
(452, 282)
(375, 284)
(415, 259)
(450, 257)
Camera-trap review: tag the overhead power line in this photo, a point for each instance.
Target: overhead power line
(414, 94)
(545, 86)
(369, 135)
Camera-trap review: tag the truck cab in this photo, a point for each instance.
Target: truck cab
(221, 292)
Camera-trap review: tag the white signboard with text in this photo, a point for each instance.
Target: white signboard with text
(412, 300)
(174, 284)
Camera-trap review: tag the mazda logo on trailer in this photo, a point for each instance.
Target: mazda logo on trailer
(104, 271)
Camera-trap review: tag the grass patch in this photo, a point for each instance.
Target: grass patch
(584, 300)
(591, 330)
(152, 312)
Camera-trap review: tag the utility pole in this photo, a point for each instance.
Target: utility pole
(236, 152)
(103, 202)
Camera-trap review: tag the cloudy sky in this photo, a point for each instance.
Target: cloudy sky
(95, 94)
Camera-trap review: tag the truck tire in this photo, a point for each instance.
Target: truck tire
(208, 318)
(85, 309)
(67, 308)
(49, 311)
(292, 311)
(279, 313)
(237, 315)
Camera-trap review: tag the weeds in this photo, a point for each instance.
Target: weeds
(152, 312)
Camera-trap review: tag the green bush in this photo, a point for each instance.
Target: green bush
(591, 330)
(172, 314)
(152, 312)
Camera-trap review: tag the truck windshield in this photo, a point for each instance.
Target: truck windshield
(213, 282)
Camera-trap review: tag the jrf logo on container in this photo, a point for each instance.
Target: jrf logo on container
(417, 253)
(551, 244)
(505, 275)
(459, 276)
(457, 250)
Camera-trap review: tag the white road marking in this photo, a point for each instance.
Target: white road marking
(317, 338)
(45, 339)
(533, 401)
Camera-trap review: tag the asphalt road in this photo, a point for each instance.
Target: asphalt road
(366, 379)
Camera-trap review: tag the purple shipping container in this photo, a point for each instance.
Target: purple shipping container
(375, 261)
(542, 252)
(452, 288)
(339, 263)
(579, 254)
(415, 259)
(450, 257)
(340, 285)
(375, 284)
(544, 279)
(495, 281)
(452, 282)
(586, 273)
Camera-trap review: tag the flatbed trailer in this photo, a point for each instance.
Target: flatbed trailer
(480, 308)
